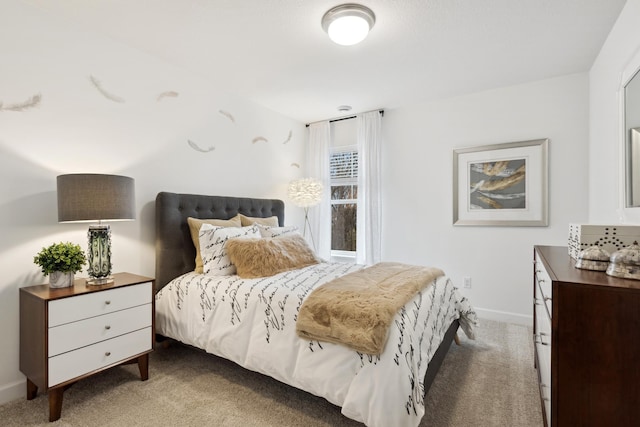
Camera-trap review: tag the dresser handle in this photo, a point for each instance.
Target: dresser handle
(107, 302)
(108, 353)
(547, 298)
(107, 327)
(537, 301)
(539, 336)
(542, 387)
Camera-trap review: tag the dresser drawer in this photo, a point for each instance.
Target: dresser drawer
(67, 310)
(542, 341)
(73, 364)
(543, 282)
(71, 336)
(544, 369)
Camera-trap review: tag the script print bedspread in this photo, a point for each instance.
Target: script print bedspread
(252, 322)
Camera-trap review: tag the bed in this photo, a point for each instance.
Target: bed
(252, 321)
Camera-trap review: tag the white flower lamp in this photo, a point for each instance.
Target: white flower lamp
(305, 193)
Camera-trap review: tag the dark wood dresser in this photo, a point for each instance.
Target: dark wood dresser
(587, 343)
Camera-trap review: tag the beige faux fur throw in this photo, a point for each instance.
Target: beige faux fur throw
(357, 309)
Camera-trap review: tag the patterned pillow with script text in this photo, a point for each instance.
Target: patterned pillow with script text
(213, 239)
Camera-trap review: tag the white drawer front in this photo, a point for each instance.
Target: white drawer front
(542, 340)
(544, 365)
(544, 284)
(543, 326)
(73, 364)
(71, 336)
(80, 307)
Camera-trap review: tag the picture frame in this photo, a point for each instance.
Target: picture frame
(501, 184)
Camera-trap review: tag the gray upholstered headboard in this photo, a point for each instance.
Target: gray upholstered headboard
(175, 253)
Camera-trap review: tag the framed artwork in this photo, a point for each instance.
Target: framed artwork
(501, 184)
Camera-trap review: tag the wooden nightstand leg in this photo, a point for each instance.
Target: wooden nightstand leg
(55, 403)
(32, 390)
(143, 366)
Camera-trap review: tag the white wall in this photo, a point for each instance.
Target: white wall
(417, 185)
(605, 148)
(76, 129)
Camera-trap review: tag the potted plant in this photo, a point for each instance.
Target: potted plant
(60, 261)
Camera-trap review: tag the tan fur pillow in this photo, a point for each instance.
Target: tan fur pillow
(194, 229)
(271, 221)
(266, 257)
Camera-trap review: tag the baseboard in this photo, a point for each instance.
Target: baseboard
(13, 391)
(504, 316)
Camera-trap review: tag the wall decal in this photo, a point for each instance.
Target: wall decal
(258, 139)
(32, 102)
(167, 94)
(106, 94)
(197, 148)
(288, 137)
(296, 165)
(228, 115)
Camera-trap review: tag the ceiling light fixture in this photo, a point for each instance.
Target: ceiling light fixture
(348, 24)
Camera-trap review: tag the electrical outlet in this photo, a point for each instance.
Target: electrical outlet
(467, 282)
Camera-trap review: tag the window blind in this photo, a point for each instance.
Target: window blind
(343, 165)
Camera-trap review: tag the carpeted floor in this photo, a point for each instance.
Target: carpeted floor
(487, 382)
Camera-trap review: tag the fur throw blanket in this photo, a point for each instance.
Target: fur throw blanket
(357, 309)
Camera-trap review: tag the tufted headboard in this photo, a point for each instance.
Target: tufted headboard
(175, 254)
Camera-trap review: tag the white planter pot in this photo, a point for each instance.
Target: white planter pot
(61, 279)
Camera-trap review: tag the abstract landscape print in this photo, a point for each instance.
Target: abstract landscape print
(498, 184)
(501, 184)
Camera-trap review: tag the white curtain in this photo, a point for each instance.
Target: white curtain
(369, 221)
(318, 167)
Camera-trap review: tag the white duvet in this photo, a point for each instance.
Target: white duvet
(252, 322)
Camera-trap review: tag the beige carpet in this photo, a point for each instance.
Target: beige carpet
(487, 382)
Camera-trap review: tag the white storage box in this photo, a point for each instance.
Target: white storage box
(609, 237)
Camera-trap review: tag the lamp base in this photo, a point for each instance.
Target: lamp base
(100, 281)
(99, 254)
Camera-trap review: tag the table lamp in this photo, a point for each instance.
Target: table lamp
(96, 197)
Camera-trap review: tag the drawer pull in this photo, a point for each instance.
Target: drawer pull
(537, 338)
(107, 327)
(108, 353)
(542, 388)
(107, 302)
(547, 298)
(537, 301)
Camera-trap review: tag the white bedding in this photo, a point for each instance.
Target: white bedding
(252, 322)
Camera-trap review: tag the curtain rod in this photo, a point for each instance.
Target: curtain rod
(353, 116)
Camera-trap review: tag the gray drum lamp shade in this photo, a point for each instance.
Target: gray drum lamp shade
(91, 197)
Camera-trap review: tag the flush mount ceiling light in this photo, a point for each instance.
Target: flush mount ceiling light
(348, 24)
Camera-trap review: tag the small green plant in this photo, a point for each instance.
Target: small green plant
(63, 256)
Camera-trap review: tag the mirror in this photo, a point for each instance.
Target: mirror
(632, 140)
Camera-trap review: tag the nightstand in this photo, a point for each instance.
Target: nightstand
(67, 334)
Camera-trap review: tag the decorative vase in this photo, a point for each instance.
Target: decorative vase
(61, 279)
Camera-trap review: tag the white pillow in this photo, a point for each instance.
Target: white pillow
(269, 231)
(213, 239)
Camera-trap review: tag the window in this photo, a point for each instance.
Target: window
(344, 195)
